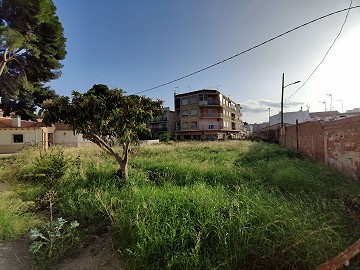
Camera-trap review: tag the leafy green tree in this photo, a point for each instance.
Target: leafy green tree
(26, 103)
(32, 44)
(106, 117)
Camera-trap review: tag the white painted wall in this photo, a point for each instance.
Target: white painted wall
(290, 117)
(30, 136)
(67, 137)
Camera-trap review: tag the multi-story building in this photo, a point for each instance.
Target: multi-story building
(163, 124)
(206, 115)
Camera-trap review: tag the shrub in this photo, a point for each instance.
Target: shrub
(52, 241)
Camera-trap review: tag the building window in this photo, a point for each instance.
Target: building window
(185, 125)
(177, 103)
(184, 101)
(193, 112)
(18, 138)
(203, 97)
(185, 113)
(194, 124)
(193, 100)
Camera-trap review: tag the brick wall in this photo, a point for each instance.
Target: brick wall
(335, 142)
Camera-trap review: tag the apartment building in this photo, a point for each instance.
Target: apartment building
(206, 115)
(163, 124)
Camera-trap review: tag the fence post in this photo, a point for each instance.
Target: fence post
(297, 135)
(326, 146)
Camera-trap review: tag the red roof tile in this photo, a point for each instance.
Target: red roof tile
(8, 123)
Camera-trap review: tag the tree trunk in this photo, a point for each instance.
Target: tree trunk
(124, 171)
(3, 61)
(2, 67)
(122, 161)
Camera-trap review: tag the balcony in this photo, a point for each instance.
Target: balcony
(209, 102)
(160, 119)
(212, 115)
(211, 127)
(159, 129)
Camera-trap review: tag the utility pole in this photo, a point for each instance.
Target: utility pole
(282, 131)
(269, 126)
(282, 101)
(330, 95)
(342, 105)
(323, 102)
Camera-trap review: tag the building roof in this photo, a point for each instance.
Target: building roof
(7, 123)
(210, 91)
(60, 126)
(203, 91)
(324, 114)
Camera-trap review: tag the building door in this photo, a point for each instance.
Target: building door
(50, 139)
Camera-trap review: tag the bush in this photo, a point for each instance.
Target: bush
(52, 241)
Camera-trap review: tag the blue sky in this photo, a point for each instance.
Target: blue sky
(139, 44)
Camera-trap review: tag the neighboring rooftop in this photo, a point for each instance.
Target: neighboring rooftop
(7, 122)
(324, 114)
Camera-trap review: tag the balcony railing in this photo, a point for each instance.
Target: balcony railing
(209, 102)
(211, 127)
(202, 127)
(160, 119)
(159, 129)
(212, 115)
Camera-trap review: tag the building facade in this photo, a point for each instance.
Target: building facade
(163, 124)
(16, 134)
(206, 115)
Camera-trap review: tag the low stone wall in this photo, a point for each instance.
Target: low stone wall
(149, 141)
(335, 142)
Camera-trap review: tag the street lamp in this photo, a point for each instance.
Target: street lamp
(282, 103)
(282, 98)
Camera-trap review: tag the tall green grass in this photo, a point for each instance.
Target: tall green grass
(200, 205)
(16, 215)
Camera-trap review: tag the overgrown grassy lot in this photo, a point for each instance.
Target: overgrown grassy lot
(199, 205)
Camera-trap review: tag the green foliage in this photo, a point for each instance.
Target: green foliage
(50, 166)
(32, 45)
(16, 216)
(52, 241)
(165, 137)
(27, 101)
(105, 116)
(206, 205)
(103, 112)
(47, 167)
(203, 227)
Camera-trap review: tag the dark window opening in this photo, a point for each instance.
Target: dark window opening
(18, 138)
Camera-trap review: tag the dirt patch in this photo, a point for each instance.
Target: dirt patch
(15, 255)
(3, 187)
(99, 255)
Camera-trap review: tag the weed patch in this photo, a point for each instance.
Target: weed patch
(194, 205)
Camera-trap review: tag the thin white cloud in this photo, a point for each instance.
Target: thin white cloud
(262, 105)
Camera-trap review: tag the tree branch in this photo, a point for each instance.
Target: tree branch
(3, 62)
(107, 148)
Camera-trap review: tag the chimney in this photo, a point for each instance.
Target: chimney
(16, 121)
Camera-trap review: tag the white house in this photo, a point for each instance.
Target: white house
(290, 118)
(15, 134)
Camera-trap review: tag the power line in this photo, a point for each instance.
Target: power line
(322, 60)
(247, 50)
